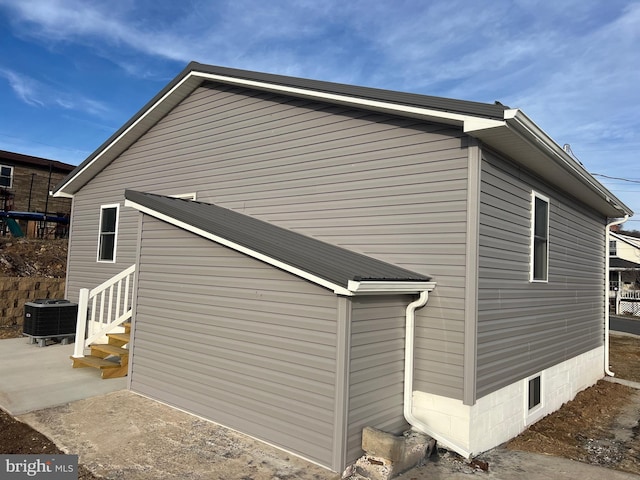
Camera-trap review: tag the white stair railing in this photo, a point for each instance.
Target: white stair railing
(107, 312)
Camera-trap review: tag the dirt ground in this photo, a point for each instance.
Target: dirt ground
(21, 257)
(18, 438)
(600, 426)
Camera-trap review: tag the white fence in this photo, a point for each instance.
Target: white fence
(625, 302)
(629, 307)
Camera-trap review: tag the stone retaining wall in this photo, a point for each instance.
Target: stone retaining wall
(16, 291)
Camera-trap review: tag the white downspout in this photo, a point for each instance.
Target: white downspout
(408, 377)
(606, 292)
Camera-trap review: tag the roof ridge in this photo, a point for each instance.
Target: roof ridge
(446, 104)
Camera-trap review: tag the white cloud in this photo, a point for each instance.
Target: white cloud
(25, 88)
(38, 94)
(572, 66)
(592, 92)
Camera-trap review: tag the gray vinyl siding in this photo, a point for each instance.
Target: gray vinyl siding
(236, 341)
(376, 373)
(526, 327)
(392, 188)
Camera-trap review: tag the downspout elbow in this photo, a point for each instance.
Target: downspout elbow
(408, 377)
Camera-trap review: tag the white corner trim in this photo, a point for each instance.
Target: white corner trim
(339, 290)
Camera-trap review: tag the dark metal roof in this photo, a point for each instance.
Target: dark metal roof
(620, 263)
(20, 158)
(464, 107)
(509, 131)
(483, 110)
(324, 260)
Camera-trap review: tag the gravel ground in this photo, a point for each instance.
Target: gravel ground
(125, 436)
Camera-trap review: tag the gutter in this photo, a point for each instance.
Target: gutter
(607, 369)
(416, 423)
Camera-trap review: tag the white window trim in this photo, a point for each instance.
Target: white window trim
(535, 195)
(115, 240)
(537, 412)
(10, 176)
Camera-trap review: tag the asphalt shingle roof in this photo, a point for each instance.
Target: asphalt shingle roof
(324, 260)
(621, 263)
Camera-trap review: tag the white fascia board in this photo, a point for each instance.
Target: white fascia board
(473, 124)
(468, 122)
(388, 287)
(62, 193)
(339, 290)
(356, 101)
(524, 126)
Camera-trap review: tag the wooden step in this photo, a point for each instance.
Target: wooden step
(119, 339)
(109, 349)
(108, 368)
(127, 327)
(105, 350)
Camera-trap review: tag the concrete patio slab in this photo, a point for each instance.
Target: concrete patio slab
(33, 378)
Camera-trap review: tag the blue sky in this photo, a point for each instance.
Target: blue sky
(73, 71)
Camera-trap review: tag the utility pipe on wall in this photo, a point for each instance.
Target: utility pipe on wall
(606, 293)
(408, 377)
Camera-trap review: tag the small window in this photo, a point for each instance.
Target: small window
(533, 398)
(534, 392)
(108, 233)
(6, 176)
(540, 238)
(613, 248)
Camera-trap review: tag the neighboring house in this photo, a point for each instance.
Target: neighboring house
(624, 262)
(624, 273)
(25, 183)
(353, 257)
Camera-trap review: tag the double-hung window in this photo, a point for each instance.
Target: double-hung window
(6, 176)
(540, 238)
(107, 238)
